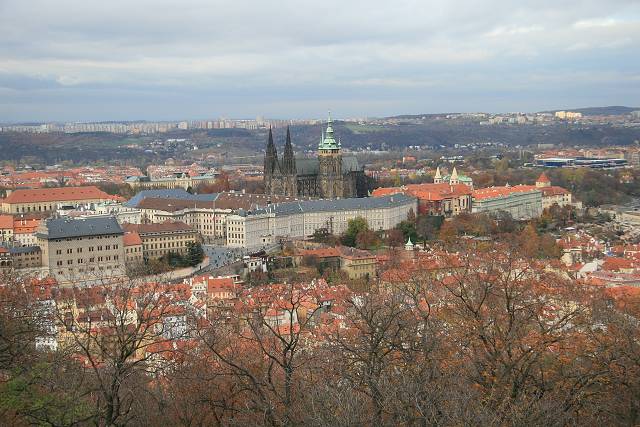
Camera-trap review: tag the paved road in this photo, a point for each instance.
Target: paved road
(220, 256)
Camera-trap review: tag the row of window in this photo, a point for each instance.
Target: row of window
(91, 249)
(92, 259)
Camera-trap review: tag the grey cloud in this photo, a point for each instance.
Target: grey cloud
(369, 57)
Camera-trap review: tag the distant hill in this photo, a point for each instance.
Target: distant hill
(418, 116)
(614, 110)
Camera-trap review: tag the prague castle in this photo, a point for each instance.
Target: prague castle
(329, 176)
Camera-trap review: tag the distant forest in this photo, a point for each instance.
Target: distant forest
(104, 147)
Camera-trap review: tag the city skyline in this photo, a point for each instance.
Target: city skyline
(78, 61)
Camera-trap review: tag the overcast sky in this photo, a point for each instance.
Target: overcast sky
(187, 59)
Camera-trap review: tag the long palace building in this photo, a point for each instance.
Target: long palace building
(329, 176)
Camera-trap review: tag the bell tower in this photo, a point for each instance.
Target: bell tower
(330, 165)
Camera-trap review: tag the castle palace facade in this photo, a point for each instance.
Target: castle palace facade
(329, 176)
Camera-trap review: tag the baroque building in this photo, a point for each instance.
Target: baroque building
(329, 176)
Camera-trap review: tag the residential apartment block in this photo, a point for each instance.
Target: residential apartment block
(82, 251)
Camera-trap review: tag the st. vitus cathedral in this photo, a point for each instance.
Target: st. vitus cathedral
(331, 175)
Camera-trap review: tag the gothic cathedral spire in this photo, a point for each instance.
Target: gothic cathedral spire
(288, 161)
(271, 156)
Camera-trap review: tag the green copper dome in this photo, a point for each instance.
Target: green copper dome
(328, 141)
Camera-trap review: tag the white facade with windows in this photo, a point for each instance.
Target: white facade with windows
(301, 219)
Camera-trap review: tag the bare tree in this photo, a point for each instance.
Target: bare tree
(120, 333)
(264, 348)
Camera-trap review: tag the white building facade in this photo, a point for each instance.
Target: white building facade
(301, 219)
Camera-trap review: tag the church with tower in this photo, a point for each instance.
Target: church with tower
(328, 176)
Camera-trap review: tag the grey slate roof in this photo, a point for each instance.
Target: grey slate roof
(23, 249)
(176, 193)
(62, 228)
(340, 204)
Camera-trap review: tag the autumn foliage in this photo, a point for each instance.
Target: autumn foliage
(485, 336)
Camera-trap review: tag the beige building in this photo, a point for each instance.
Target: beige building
(554, 195)
(207, 213)
(201, 215)
(6, 262)
(179, 180)
(48, 199)
(82, 251)
(161, 239)
(133, 249)
(26, 257)
(358, 264)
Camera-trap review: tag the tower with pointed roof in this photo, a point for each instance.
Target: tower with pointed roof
(288, 169)
(330, 165)
(271, 166)
(543, 181)
(437, 178)
(454, 177)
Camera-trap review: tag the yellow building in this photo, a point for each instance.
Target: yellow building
(161, 239)
(358, 264)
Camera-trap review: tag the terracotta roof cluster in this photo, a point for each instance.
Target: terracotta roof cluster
(74, 177)
(619, 264)
(430, 192)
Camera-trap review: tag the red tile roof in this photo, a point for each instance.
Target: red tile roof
(56, 194)
(431, 192)
(131, 239)
(495, 192)
(543, 178)
(26, 225)
(322, 252)
(6, 221)
(617, 264)
(553, 191)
